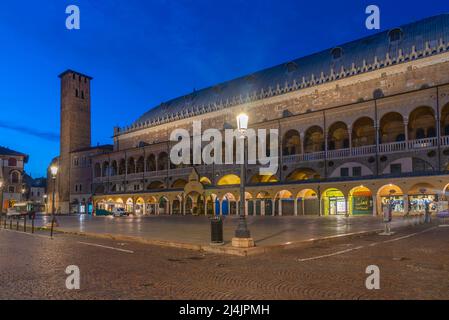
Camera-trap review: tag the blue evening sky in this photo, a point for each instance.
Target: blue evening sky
(142, 53)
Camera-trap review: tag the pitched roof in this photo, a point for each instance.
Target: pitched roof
(9, 152)
(358, 56)
(75, 72)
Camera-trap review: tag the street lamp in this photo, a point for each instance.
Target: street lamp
(54, 171)
(242, 234)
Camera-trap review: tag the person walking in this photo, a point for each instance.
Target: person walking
(427, 211)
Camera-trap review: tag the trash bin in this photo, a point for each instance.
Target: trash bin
(216, 231)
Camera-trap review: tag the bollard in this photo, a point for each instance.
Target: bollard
(10, 222)
(32, 224)
(24, 223)
(17, 223)
(52, 224)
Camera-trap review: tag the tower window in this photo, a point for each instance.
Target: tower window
(73, 76)
(79, 78)
(76, 92)
(82, 94)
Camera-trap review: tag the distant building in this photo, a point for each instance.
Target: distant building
(37, 190)
(12, 175)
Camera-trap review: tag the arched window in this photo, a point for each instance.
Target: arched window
(395, 35)
(97, 170)
(122, 167)
(131, 166)
(105, 170)
(291, 66)
(291, 143)
(114, 168)
(337, 53)
(14, 177)
(151, 163)
(162, 161)
(140, 167)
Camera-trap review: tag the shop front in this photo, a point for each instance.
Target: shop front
(419, 202)
(361, 201)
(334, 202)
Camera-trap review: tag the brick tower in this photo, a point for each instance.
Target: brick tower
(75, 128)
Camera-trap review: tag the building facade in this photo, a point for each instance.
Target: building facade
(12, 175)
(37, 192)
(360, 125)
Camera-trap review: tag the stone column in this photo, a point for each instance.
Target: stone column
(348, 211)
(220, 203)
(325, 141)
(205, 206)
(377, 128)
(254, 207)
(301, 141)
(406, 131)
(374, 205)
(350, 138)
(246, 207)
(280, 207)
(183, 206)
(406, 203)
(262, 207)
(295, 207)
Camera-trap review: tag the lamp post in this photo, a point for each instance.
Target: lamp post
(242, 234)
(54, 171)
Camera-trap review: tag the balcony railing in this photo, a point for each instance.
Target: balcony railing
(384, 148)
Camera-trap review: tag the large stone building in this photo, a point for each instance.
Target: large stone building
(361, 124)
(74, 179)
(12, 176)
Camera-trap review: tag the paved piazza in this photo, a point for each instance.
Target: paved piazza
(196, 230)
(413, 265)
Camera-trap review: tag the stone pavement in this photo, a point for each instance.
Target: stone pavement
(195, 230)
(413, 264)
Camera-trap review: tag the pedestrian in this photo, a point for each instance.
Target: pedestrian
(427, 211)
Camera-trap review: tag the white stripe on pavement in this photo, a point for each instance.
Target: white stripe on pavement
(361, 247)
(105, 247)
(330, 254)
